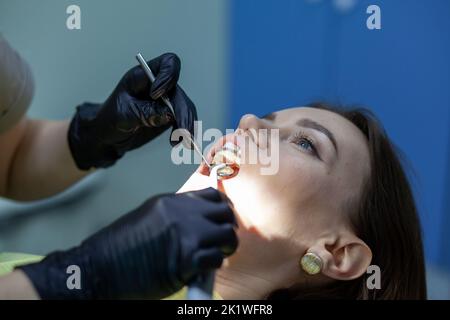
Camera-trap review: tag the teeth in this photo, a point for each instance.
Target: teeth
(232, 147)
(229, 154)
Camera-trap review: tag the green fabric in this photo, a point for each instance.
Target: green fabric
(8, 261)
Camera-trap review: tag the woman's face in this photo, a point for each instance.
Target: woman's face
(323, 161)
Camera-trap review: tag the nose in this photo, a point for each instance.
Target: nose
(250, 121)
(259, 129)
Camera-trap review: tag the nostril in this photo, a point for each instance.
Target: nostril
(248, 121)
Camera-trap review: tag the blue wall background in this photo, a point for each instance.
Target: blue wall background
(291, 52)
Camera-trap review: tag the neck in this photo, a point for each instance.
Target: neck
(234, 283)
(254, 274)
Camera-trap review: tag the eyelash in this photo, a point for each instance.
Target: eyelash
(300, 137)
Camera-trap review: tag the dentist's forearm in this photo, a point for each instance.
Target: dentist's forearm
(41, 164)
(17, 286)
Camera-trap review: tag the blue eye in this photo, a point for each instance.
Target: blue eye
(306, 144)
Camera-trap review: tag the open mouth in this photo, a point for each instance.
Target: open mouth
(226, 152)
(229, 155)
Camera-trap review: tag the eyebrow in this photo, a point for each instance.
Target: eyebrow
(308, 123)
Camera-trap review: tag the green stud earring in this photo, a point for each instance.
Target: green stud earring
(311, 263)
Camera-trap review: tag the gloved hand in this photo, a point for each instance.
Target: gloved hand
(151, 252)
(100, 134)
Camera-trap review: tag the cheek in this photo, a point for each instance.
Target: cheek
(299, 180)
(275, 203)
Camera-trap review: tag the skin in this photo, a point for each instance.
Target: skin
(17, 286)
(28, 173)
(303, 208)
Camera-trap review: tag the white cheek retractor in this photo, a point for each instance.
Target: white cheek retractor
(225, 165)
(214, 175)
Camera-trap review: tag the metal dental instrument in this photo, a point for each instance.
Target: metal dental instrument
(166, 100)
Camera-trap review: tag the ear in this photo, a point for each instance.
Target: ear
(346, 259)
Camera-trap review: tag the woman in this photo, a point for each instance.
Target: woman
(340, 195)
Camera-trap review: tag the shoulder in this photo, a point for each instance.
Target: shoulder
(16, 86)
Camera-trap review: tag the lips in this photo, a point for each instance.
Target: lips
(229, 148)
(226, 151)
(228, 154)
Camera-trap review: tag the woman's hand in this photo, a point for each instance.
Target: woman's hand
(151, 252)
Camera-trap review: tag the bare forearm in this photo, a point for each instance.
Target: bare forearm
(42, 164)
(17, 286)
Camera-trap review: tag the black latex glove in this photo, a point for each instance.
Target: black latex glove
(151, 252)
(100, 134)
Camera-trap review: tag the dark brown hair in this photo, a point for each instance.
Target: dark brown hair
(385, 218)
